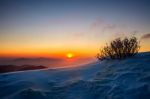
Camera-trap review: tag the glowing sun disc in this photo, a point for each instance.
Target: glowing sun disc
(69, 55)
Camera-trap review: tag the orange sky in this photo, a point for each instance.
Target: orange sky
(53, 29)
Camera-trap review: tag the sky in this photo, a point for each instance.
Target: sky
(53, 28)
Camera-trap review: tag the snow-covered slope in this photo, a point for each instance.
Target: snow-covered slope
(113, 79)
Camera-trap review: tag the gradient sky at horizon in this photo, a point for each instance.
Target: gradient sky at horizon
(55, 27)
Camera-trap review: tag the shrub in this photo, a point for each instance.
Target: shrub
(119, 49)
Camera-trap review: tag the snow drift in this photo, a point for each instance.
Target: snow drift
(113, 79)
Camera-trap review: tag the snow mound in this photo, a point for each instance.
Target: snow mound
(113, 79)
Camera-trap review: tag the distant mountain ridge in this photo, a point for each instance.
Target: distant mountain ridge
(45, 61)
(11, 68)
(36, 59)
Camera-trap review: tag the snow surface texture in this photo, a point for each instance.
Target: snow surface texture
(113, 79)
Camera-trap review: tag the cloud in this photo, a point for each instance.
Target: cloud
(101, 25)
(146, 36)
(109, 27)
(135, 32)
(97, 23)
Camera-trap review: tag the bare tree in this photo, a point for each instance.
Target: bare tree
(119, 49)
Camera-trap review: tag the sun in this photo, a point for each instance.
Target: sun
(70, 55)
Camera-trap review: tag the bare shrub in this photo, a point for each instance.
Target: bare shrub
(119, 49)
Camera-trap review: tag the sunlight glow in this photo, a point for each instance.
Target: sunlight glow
(70, 55)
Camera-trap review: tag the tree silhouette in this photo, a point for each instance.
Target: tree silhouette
(119, 49)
